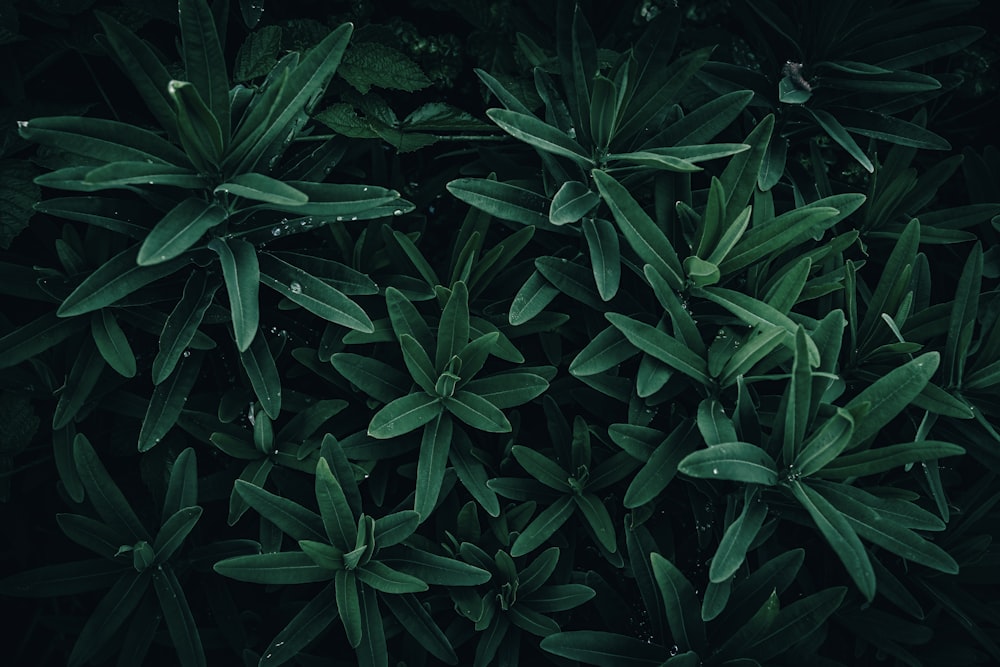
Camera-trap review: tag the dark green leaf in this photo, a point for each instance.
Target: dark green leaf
(259, 365)
(285, 567)
(294, 519)
(890, 394)
(241, 272)
(110, 613)
(881, 459)
(839, 535)
(431, 463)
(180, 621)
(313, 294)
(604, 649)
(681, 605)
(477, 411)
(115, 279)
(662, 346)
(181, 325)
(639, 230)
(167, 401)
(178, 230)
(737, 461)
(404, 414)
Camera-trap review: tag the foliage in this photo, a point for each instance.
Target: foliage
(655, 334)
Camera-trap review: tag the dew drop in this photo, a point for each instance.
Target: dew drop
(571, 132)
(296, 288)
(715, 471)
(276, 231)
(186, 353)
(398, 211)
(22, 124)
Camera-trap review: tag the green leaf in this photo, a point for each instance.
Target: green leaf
(282, 568)
(179, 229)
(373, 64)
(276, 109)
(197, 128)
(570, 278)
(453, 329)
(204, 62)
(886, 532)
(604, 351)
(167, 401)
(572, 201)
(376, 378)
(503, 200)
(182, 324)
(477, 411)
(317, 615)
(662, 346)
(241, 272)
(882, 459)
(338, 519)
(839, 535)
(540, 134)
(892, 129)
(431, 464)
(259, 187)
(383, 578)
(639, 230)
(103, 493)
(435, 570)
(890, 394)
(659, 467)
(605, 257)
(535, 294)
(17, 197)
(404, 414)
(143, 68)
(543, 526)
(736, 461)
(180, 621)
(80, 381)
(680, 604)
(118, 215)
(826, 443)
(292, 518)
(259, 50)
(174, 531)
(757, 313)
(102, 140)
(542, 468)
(797, 621)
(313, 294)
(182, 487)
(412, 615)
(739, 179)
(259, 365)
(735, 542)
(508, 390)
(112, 342)
(604, 649)
(598, 519)
(660, 87)
(788, 230)
(110, 613)
(114, 280)
(837, 132)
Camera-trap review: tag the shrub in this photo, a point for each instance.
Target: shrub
(625, 346)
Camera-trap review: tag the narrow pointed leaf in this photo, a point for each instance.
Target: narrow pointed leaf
(178, 230)
(737, 461)
(241, 272)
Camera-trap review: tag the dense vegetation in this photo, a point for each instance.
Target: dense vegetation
(487, 333)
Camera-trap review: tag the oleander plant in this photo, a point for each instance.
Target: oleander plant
(655, 333)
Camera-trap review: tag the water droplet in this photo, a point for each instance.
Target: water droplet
(186, 353)
(715, 471)
(364, 189)
(22, 123)
(276, 231)
(296, 288)
(398, 211)
(571, 132)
